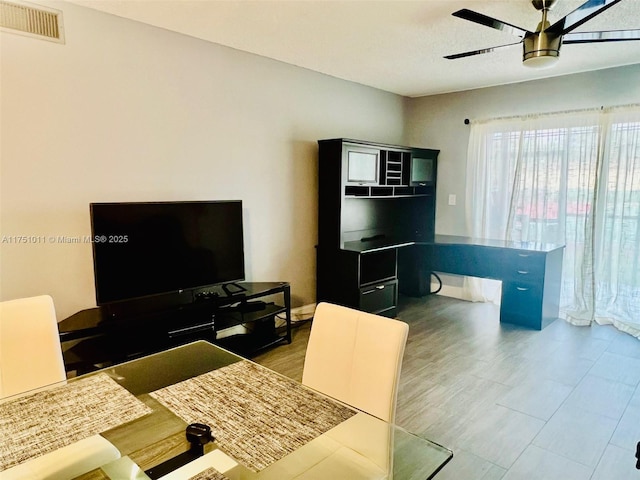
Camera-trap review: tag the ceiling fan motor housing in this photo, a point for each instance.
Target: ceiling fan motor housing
(543, 4)
(541, 46)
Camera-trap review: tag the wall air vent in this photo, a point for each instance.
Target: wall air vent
(31, 20)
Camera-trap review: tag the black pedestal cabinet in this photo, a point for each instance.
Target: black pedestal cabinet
(372, 200)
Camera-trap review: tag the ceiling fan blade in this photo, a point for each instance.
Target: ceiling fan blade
(580, 15)
(607, 36)
(478, 52)
(490, 22)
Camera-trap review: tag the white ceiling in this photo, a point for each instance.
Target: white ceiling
(395, 46)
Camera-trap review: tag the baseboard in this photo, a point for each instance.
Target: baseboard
(305, 312)
(298, 314)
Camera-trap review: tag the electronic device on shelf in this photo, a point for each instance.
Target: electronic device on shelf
(253, 306)
(205, 296)
(163, 253)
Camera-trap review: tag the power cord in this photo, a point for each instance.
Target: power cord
(439, 283)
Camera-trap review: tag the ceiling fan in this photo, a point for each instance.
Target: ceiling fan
(541, 48)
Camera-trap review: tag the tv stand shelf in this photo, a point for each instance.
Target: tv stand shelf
(242, 320)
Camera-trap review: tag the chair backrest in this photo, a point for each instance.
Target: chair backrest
(356, 357)
(30, 353)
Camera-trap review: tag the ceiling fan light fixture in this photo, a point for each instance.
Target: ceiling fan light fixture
(541, 61)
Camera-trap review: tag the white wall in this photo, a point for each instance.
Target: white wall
(129, 112)
(438, 121)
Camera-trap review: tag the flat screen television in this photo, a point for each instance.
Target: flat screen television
(151, 248)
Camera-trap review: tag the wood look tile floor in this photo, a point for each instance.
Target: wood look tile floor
(513, 404)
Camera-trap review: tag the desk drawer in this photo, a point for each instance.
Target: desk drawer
(521, 304)
(380, 297)
(524, 267)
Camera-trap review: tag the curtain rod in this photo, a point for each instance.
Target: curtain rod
(560, 112)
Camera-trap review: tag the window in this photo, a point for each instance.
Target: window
(571, 179)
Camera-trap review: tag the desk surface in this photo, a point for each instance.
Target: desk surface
(484, 242)
(345, 444)
(383, 243)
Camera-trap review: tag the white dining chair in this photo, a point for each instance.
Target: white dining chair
(30, 354)
(356, 357)
(30, 358)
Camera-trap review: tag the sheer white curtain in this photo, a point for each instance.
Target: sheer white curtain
(572, 179)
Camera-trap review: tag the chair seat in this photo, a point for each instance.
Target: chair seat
(67, 462)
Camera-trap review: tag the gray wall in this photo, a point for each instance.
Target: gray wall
(128, 112)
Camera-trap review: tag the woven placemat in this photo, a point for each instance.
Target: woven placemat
(209, 474)
(42, 422)
(256, 415)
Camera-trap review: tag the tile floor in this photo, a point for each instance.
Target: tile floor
(513, 404)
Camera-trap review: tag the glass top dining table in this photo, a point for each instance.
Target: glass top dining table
(264, 425)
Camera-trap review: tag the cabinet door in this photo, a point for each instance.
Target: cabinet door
(423, 167)
(376, 267)
(361, 165)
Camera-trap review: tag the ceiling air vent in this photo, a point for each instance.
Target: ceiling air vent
(32, 20)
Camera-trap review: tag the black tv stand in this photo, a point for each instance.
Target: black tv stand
(238, 288)
(243, 322)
